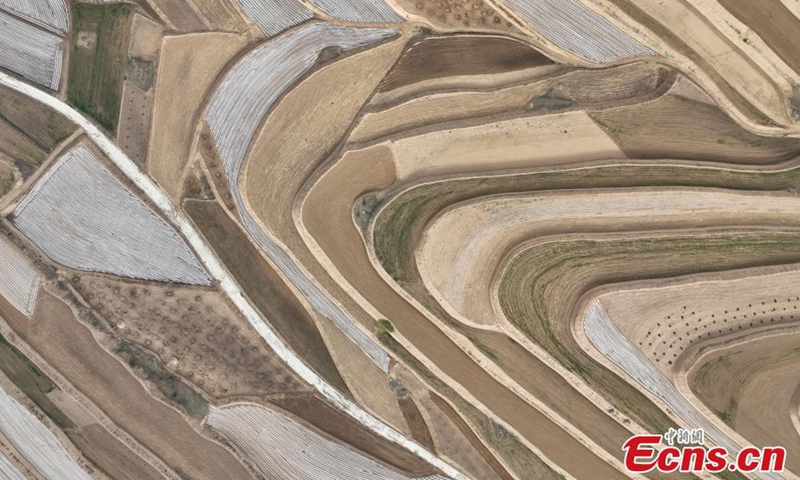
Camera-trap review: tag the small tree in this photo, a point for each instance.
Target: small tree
(385, 326)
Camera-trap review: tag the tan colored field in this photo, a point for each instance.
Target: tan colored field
(70, 348)
(676, 127)
(196, 333)
(686, 88)
(664, 322)
(751, 386)
(220, 15)
(180, 15)
(695, 40)
(368, 384)
(472, 15)
(189, 66)
(145, 38)
(774, 23)
(337, 235)
(134, 123)
(462, 251)
(562, 91)
(458, 442)
(559, 139)
(265, 287)
(751, 43)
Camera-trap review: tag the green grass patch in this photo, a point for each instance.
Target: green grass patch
(98, 57)
(385, 326)
(32, 381)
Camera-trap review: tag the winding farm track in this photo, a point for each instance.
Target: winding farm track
(218, 272)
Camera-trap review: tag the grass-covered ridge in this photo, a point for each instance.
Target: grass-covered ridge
(543, 284)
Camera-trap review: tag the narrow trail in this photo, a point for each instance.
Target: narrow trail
(218, 272)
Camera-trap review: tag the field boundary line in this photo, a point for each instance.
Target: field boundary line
(226, 282)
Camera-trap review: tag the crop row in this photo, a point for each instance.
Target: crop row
(359, 11)
(19, 283)
(242, 100)
(36, 443)
(612, 344)
(50, 14)
(572, 26)
(8, 471)
(33, 53)
(275, 16)
(81, 216)
(287, 449)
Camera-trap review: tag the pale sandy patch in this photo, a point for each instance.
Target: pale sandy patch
(462, 251)
(189, 66)
(465, 83)
(731, 63)
(523, 142)
(369, 385)
(748, 40)
(451, 443)
(145, 37)
(575, 89)
(686, 88)
(655, 319)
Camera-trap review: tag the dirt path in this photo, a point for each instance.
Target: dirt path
(227, 284)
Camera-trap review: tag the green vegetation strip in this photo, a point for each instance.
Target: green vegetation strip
(98, 56)
(542, 286)
(399, 225)
(32, 381)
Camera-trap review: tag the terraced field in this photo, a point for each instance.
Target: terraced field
(396, 239)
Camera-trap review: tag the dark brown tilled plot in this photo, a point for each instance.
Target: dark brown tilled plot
(264, 286)
(439, 57)
(413, 417)
(111, 456)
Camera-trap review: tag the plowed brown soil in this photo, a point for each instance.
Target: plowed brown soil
(419, 429)
(265, 287)
(70, 348)
(439, 57)
(336, 233)
(111, 456)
